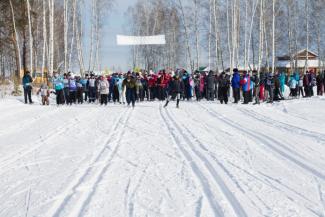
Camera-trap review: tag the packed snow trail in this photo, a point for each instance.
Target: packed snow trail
(204, 159)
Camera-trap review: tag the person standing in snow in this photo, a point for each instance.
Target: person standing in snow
(282, 79)
(129, 84)
(175, 88)
(72, 90)
(45, 94)
(27, 85)
(92, 89)
(256, 92)
(235, 83)
(80, 90)
(66, 88)
(58, 87)
(103, 89)
(269, 85)
(210, 85)
(301, 86)
(223, 86)
(293, 86)
(246, 86)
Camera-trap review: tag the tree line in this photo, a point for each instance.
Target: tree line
(227, 33)
(49, 35)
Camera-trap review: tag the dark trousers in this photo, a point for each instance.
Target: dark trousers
(92, 94)
(80, 98)
(86, 94)
(72, 97)
(130, 96)
(103, 99)
(301, 91)
(210, 94)
(223, 95)
(146, 92)
(59, 97)
(66, 93)
(246, 96)
(197, 93)
(152, 93)
(28, 94)
(236, 92)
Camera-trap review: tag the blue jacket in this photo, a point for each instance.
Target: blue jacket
(27, 81)
(235, 81)
(58, 83)
(246, 83)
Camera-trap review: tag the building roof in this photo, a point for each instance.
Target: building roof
(300, 55)
(300, 63)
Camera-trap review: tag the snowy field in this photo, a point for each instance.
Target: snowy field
(203, 159)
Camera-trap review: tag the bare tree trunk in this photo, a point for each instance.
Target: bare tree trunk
(66, 26)
(187, 38)
(30, 37)
(74, 9)
(273, 36)
(196, 17)
(250, 31)
(210, 31)
(307, 33)
(91, 35)
(17, 47)
(216, 30)
(44, 39)
(260, 49)
(51, 67)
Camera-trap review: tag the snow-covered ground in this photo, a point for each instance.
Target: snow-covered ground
(203, 159)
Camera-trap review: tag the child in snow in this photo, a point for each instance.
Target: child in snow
(45, 94)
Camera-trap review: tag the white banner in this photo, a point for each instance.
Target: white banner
(141, 40)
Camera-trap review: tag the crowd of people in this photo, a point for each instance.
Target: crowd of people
(129, 88)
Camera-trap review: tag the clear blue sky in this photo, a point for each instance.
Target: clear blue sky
(116, 23)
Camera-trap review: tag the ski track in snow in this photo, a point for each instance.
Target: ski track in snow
(5, 162)
(237, 208)
(289, 128)
(217, 165)
(271, 143)
(80, 203)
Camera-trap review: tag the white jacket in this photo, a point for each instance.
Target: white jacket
(103, 86)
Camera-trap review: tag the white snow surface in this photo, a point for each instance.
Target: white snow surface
(204, 159)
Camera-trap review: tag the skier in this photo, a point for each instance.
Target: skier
(27, 84)
(175, 88)
(235, 83)
(130, 87)
(103, 89)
